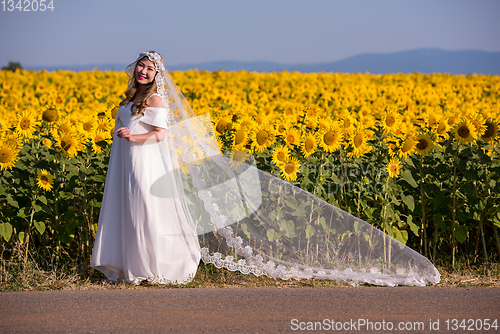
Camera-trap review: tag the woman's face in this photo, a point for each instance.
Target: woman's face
(145, 71)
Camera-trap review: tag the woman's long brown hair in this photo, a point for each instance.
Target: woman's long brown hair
(151, 88)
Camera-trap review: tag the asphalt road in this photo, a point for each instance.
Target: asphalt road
(252, 310)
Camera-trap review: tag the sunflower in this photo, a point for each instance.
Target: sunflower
(220, 144)
(280, 154)
(478, 122)
(348, 124)
(26, 124)
(45, 180)
(87, 125)
(222, 124)
(62, 127)
(8, 156)
(358, 142)
(311, 113)
(13, 139)
(311, 123)
(282, 127)
(491, 130)
(112, 111)
(323, 124)
(431, 119)
(292, 137)
(308, 145)
(393, 149)
(263, 137)
(59, 100)
(442, 129)
(262, 118)
(47, 142)
(391, 121)
(238, 157)
(97, 137)
(288, 112)
(464, 131)
(393, 167)
(104, 124)
(245, 122)
(290, 168)
(407, 147)
(330, 138)
(43, 99)
(452, 120)
(69, 107)
(49, 114)
(70, 143)
(424, 144)
(240, 139)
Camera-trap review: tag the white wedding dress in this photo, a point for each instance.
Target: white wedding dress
(141, 236)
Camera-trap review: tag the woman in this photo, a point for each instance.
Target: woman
(171, 197)
(133, 242)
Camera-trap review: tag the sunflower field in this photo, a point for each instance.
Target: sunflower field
(415, 155)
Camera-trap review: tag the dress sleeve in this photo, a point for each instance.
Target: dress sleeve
(155, 117)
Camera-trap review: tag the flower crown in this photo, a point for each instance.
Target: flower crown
(154, 57)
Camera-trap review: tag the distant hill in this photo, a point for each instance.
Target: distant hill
(420, 60)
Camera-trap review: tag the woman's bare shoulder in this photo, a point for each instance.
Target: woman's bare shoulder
(155, 102)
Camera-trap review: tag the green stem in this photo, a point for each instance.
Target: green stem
(435, 241)
(453, 208)
(387, 253)
(495, 233)
(422, 201)
(341, 177)
(481, 229)
(28, 235)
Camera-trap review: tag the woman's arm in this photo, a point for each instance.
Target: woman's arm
(157, 133)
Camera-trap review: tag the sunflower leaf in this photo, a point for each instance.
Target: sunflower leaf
(40, 227)
(460, 232)
(309, 231)
(413, 227)
(43, 199)
(409, 178)
(410, 203)
(335, 178)
(12, 201)
(5, 231)
(438, 220)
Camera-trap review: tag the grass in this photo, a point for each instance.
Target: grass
(28, 276)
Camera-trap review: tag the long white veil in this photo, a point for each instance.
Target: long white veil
(254, 222)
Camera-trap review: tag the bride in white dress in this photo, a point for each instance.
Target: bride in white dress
(171, 198)
(141, 236)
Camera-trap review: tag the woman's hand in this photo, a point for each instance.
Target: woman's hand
(124, 132)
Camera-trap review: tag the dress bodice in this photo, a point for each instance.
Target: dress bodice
(152, 116)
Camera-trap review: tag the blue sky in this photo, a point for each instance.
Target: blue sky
(285, 31)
